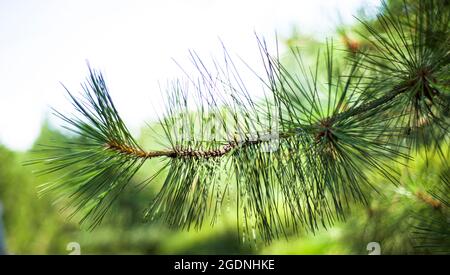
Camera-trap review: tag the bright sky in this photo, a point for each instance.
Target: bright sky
(43, 43)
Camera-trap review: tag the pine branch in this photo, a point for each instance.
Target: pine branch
(299, 156)
(431, 232)
(411, 50)
(139, 153)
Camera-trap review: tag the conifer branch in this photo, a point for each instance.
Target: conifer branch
(331, 133)
(232, 145)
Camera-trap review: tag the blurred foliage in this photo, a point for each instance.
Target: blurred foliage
(36, 226)
(32, 225)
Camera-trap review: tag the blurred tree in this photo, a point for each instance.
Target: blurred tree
(2, 234)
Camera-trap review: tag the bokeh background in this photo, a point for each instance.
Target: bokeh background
(43, 43)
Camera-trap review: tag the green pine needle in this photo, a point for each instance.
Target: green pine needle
(297, 158)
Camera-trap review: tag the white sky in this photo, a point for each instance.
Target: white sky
(45, 42)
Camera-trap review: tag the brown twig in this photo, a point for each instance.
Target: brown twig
(428, 200)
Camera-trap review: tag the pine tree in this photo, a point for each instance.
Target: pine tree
(298, 158)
